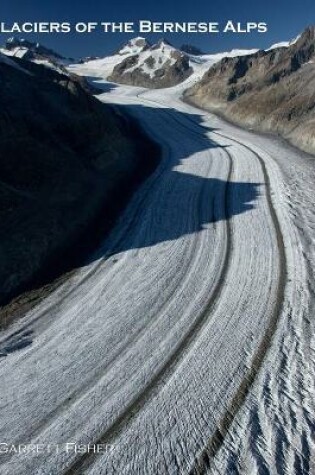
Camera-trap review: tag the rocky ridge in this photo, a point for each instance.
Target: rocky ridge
(270, 91)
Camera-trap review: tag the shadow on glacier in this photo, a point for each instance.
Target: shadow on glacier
(178, 203)
(101, 84)
(175, 203)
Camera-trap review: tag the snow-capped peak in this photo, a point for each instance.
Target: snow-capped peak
(137, 41)
(36, 53)
(164, 42)
(134, 46)
(155, 58)
(163, 45)
(15, 47)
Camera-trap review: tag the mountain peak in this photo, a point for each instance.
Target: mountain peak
(134, 46)
(307, 37)
(164, 42)
(138, 41)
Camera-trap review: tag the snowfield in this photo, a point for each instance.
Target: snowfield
(186, 343)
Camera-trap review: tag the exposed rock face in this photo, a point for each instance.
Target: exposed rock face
(64, 158)
(156, 66)
(269, 90)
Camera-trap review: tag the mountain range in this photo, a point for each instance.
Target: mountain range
(136, 63)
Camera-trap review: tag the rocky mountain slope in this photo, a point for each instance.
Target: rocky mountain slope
(35, 52)
(67, 165)
(271, 91)
(157, 66)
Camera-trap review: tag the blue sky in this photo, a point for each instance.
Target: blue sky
(285, 19)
